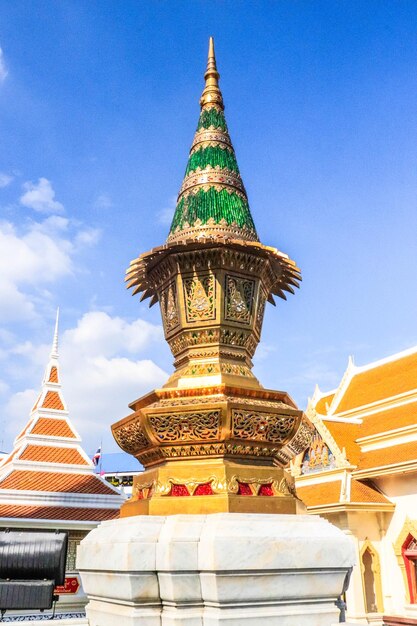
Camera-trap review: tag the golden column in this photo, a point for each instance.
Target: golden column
(212, 439)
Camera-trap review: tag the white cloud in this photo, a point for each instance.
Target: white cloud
(5, 179)
(103, 201)
(165, 215)
(101, 372)
(31, 260)
(40, 196)
(3, 68)
(87, 237)
(99, 333)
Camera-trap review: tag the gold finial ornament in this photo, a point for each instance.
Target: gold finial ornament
(211, 94)
(212, 438)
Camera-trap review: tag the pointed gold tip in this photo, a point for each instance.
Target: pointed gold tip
(211, 94)
(211, 54)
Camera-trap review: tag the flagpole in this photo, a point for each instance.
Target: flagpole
(101, 455)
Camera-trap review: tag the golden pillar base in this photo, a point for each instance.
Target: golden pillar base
(211, 487)
(212, 449)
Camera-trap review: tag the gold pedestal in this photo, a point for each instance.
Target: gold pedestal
(212, 449)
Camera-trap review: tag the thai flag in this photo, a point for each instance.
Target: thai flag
(96, 458)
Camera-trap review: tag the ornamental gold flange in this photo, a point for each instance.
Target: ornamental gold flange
(246, 425)
(220, 486)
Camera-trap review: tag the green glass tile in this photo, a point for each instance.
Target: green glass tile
(214, 156)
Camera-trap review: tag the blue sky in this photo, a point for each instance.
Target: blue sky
(98, 107)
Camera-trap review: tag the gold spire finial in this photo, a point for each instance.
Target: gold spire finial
(211, 94)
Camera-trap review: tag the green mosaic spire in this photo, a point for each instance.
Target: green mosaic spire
(212, 201)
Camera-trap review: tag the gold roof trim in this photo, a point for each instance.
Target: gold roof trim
(210, 176)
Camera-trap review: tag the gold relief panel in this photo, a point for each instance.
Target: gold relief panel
(262, 426)
(131, 437)
(199, 426)
(260, 311)
(199, 295)
(239, 298)
(168, 300)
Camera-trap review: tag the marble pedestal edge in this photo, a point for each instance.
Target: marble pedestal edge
(225, 569)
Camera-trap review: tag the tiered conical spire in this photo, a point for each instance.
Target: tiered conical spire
(48, 459)
(212, 201)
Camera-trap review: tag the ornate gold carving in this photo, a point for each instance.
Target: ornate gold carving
(260, 426)
(260, 312)
(278, 487)
(239, 298)
(214, 449)
(186, 426)
(212, 177)
(210, 137)
(302, 439)
(200, 298)
(131, 437)
(236, 370)
(217, 485)
(145, 490)
(206, 369)
(169, 307)
(217, 397)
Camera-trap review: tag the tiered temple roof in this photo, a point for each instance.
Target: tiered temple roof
(48, 475)
(365, 428)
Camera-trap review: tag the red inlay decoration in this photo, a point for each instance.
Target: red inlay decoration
(265, 490)
(204, 489)
(409, 552)
(244, 489)
(179, 490)
(140, 494)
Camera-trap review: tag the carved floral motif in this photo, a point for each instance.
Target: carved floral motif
(261, 426)
(239, 298)
(169, 307)
(199, 298)
(186, 426)
(131, 437)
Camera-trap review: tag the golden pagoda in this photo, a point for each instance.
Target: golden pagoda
(212, 439)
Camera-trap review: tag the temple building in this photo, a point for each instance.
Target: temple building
(49, 482)
(360, 472)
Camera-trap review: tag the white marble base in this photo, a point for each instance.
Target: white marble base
(226, 569)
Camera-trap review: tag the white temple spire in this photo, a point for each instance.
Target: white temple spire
(54, 351)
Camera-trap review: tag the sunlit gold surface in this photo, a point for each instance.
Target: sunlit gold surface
(212, 423)
(211, 94)
(223, 475)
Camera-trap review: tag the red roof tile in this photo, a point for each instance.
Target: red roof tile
(57, 513)
(55, 481)
(52, 454)
(399, 453)
(52, 427)
(321, 404)
(52, 401)
(53, 375)
(380, 382)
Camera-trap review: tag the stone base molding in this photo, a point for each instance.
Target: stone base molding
(223, 569)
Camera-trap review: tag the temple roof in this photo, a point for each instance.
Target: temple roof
(368, 425)
(48, 461)
(212, 199)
